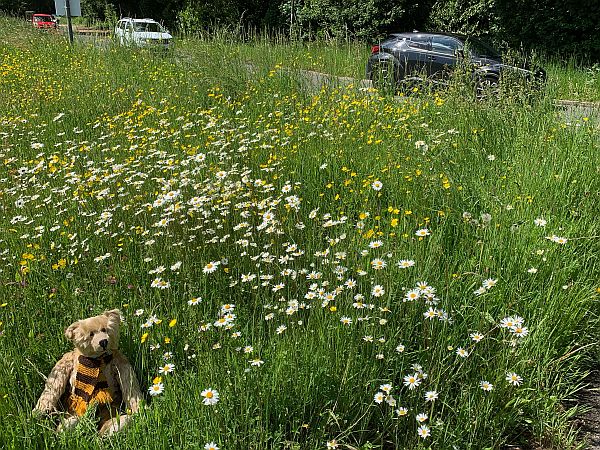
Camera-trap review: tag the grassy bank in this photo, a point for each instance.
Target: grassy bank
(567, 79)
(344, 269)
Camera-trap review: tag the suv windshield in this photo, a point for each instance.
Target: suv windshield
(150, 27)
(481, 48)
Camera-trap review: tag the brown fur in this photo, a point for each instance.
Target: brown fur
(87, 336)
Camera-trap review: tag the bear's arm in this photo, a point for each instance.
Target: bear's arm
(56, 383)
(130, 388)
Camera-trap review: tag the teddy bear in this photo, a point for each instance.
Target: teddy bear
(94, 373)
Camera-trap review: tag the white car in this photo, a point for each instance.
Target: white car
(143, 33)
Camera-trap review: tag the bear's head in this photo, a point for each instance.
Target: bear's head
(96, 335)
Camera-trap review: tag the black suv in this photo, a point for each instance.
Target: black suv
(406, 58)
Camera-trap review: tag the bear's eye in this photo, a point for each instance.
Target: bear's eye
(91, 334)
(103, 330)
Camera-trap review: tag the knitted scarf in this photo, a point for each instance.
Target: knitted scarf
(90, 384)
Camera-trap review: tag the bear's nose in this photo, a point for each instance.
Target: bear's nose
(103, 343)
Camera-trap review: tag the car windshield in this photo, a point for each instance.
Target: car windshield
(480, 48)
(42, 18)
(150, 27)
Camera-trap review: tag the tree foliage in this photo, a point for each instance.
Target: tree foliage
(20, 6)
(563, 26)
(463, 16)
(342, 19)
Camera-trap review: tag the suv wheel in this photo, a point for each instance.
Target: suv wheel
(383, 76)
(487, 88)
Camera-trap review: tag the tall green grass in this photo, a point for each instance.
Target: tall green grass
(212, 138)
(567, 80)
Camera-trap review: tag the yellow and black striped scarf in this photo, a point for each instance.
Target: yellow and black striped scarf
(90, 384)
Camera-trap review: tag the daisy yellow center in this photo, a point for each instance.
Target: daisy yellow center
(209, 394)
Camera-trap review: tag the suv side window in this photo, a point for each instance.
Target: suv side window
(420, 43)
(445, 44)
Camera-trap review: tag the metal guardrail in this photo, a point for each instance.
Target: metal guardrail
(85, 31)
(577, 104)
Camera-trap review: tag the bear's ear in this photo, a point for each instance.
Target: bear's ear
(70, 331)
(114, 315)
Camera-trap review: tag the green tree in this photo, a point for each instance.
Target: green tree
(567, 27)
(470, 17)
(93, 10)
(13, 6)
(355, 19)
(20, 6)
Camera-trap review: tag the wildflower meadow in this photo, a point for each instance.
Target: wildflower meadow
(296, 267)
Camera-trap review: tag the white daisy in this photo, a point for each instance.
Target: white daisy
(211, 396)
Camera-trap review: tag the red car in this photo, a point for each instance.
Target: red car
(43, 21)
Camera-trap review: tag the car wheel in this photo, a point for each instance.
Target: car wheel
(383, 76)
(487, 88)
